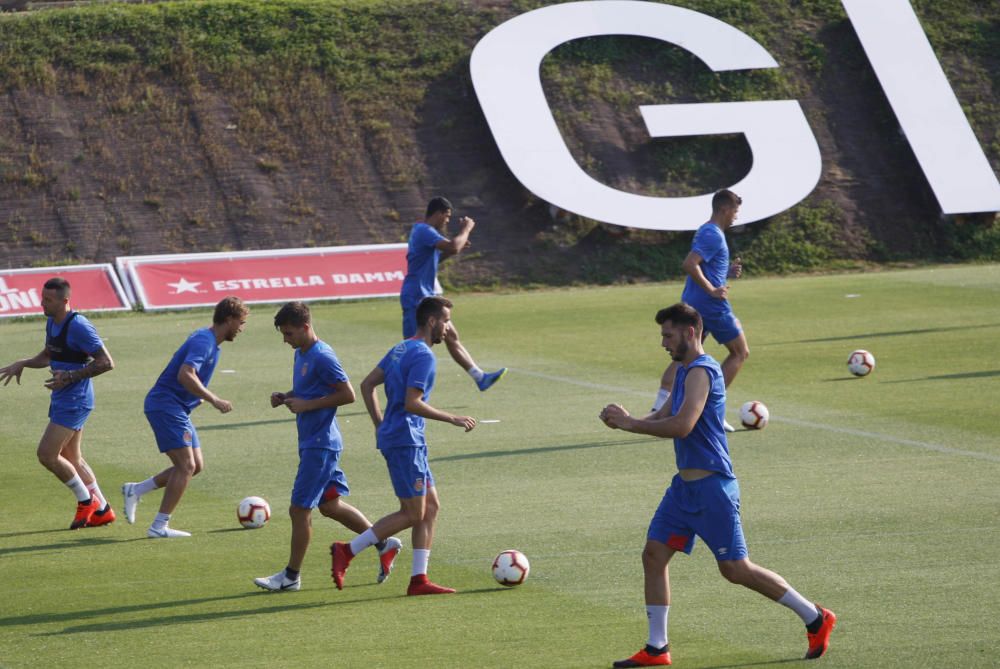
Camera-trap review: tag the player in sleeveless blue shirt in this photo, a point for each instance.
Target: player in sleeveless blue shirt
(75, 353)
(706, 289)
(427, 247)
(319, 386)
(703, 498)
(179, 390)
(407, 371)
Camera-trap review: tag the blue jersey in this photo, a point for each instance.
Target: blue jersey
(422, 256)
(316, 373)
(409, 364)
(706, 446)
(201, 352)
(709, 243)
(82, 339)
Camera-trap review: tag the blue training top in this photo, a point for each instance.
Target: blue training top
(710, 243)
(706, 446)
(409, 364)
(316, 373)
(167, 394)
(82, 339)
(422, 258)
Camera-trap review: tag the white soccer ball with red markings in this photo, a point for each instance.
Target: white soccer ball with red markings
(253, 512)
(861, 363)
(754, 415)
(511, 568)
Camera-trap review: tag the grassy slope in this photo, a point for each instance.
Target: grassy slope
(876, 496)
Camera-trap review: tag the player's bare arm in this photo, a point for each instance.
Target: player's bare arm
(101, 363)
(188, 378)
(416, 405)
(458, 243)
(14, 369)
(278, 398)
(696, 387)
(736, 268)
(343, 393)
(371, 383)
(692, 267)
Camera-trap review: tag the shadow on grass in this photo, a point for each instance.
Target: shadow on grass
(65, 545)
(539, 450)
(765, 663)
(946, 377)
(24, 534)
(875, 335)
(286, 418)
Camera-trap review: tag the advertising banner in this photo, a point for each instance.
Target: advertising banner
(94, 288)
(202, 279)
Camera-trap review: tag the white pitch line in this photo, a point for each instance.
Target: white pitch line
(927, 446)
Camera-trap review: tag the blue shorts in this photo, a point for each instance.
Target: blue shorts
(409, 321)
(408, 469)
(708, 508)
(172, 430)
(72, 417)
(319, 471)
(722, 325)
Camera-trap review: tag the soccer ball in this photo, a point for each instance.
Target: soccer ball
(754, 415)
(253, 512)
(861, 363)
(511, 568)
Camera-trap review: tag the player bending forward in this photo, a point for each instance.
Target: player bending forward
(407, 371)
(703, 498)
(319, 386)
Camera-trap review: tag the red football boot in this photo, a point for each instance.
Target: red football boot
(820, 641)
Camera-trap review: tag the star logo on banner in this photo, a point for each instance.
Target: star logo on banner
(185, 286)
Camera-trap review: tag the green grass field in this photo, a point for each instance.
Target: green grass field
(878, 497)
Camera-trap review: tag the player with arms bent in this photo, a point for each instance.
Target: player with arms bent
(76, 354)
(427, 247)
(703, 498)
(407, 371)
(178, 391)
(319, 386)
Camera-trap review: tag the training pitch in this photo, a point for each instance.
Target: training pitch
(877, 497)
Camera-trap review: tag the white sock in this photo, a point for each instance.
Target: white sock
(160, 521)
(363, 541)
(657, 617)
(662, 395)
(802, 606)
(476, 373)
(76, 485)
(143, 487)
(421, 556)
(95, 492)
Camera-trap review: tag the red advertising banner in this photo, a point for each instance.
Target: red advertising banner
(329, 273)
(94, 288)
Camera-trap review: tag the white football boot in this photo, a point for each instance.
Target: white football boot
(166, 533)
(131, 501)
(278, 582)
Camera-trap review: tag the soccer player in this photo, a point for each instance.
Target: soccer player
(75, 353)
(319, 386)
(427, 247)
(407, 371)
(703, 498)
(707, 267)
(179, 390)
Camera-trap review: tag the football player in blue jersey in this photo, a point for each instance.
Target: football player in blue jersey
(426, 248)
(179, 390)
(706, 289)
(703, 498)
(75, 353)
(407, 371)
(319, 386)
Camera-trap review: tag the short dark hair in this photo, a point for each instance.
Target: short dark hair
(58, 284)
(438, 204)
(295, 314)
(725, 198)
(431, 306)
(680, 314)
(229, 307)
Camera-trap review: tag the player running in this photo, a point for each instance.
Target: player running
(707, 267)
(703, 498)
(427, 247)
(407, 371)
(76, 354)
(319, 386)
(178, 391)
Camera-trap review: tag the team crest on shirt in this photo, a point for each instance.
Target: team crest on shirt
(418, 485)
(305, 368)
